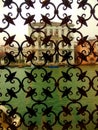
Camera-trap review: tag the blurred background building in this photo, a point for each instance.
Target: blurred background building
(52, 40)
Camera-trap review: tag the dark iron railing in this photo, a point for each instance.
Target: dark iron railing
(47, 95)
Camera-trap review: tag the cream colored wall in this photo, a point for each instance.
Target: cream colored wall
(58, 38)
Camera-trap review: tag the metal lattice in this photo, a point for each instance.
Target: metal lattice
(48, 65)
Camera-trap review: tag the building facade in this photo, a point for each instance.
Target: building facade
(20, 60)
(55, 31)
(53, 45)
(87, 53)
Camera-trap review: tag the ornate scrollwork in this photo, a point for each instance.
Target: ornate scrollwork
(57, 84)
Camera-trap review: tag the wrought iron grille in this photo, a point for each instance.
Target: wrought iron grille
(48, 65)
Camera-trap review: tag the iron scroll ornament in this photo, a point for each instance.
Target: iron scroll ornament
(50, 97)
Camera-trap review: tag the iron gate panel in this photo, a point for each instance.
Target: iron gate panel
(48, 65)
